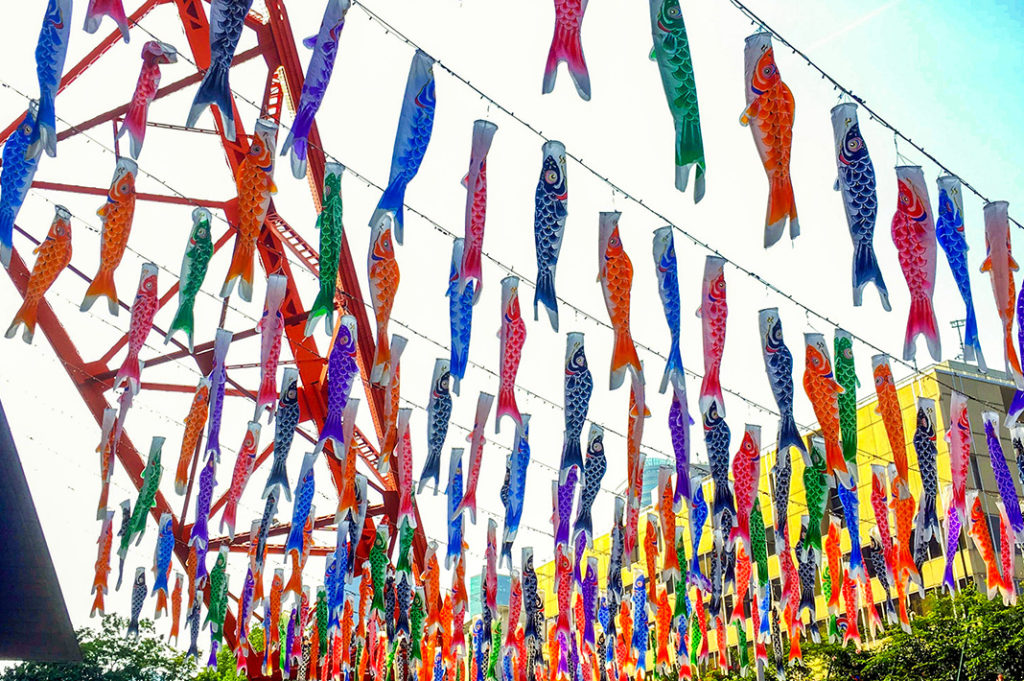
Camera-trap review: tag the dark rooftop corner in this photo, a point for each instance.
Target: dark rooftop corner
(34, 621)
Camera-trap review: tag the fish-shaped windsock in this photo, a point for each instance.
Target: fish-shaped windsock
(746, 473)
(147, 497)
(846, 375)
(318, 75)
(698, 517)
(162, 557)
(456, 522)
(851, 514)
(406, 488)
(822, 392)
(476, 453)
(593, 473)
(982, 536)
(913, 233)
(53, 255)
(439, 411)
(716, 440)
(816, 485)
(679, 422)
(194, 264)
(856, 182)
(102, 567)
(240, 475)
(512, 337)
(666, 269)
(615, 272)
(116, 214)
(562, 495)
(284, 431)
(383, 276)
(579, 384)
(567, 46)
(1004, 481)
(271, 326)
(143, 310)
(475, 183)
(713, 312)
(154, 53)
(138, 598)
(114, 9)
(769, 113)
(949, 231)
(329, 223)
(460, 315)
(513, 491)
(892, 417)
(305, 488)
(927, 454)
(1000, 265)
(549, 215)
(672, 52)
(16, 175)
(415, 124)
(218, 381)
(778, 365)
(341, 372)
(254, 182)
(227, 19)
(51, 51)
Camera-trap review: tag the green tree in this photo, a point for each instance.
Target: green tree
(108, 655)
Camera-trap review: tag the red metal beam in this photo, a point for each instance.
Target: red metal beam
(142, 196)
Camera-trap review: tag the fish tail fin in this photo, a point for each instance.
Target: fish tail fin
(572, 455)
(431, 471)
(781, 207)
(160, 586)
(323, 306)
(294, 584)
(690, 153)
(865, 271)
(670, 567)
(392, 201)
(333, 429)
(130, 373)
(723, 501)
(184, 320)
(215, 90)
(228, 518)
(507, 406)
(922, 321)
(26, 315)
(624, 356)
(739, 613)
(102, 285)
(794, 646)
(948, 581)
(930, 518)
(296, 143)
(789, 434)
(133, 627)
(585, 524)
(673, 367)
(567, 46)
(97, 603)
(240, 269)
(135, 125)
(468, 503)
(472, 270)
(711, 390)
(835, 463)
(857, 571)
(115, 10)
(545, 295)
(212, 662)
(44, 137)
(6, 235)
(742, 533)
(266, 396)
(972, 343)
(278, 476)
(380, 374)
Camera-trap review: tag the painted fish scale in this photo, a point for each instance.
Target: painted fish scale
(154, 54)
(713, 311)
(924, 446)
(143, 310)
(514, 489)
(949, 231)
(439, 411)
(892, 416)
(846, 376)
(616, 277)
(54, 254)
(460, 315)
(51, 52)
(341, 371)
(271, 326)
(240, 475)
(816, 495)
(194, 263)
(455, 519)
(1000, 265)
(16, 173)
(672, 51)
(679, 422)
(147, 497)
(287, 418)
(593, 474)
(564, 494)
(716, 439)
(778, 364)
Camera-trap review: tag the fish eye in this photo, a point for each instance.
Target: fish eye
(60, 231)
(256, 148)
(673, 12)
(551, 176)
(26, 129)
(854, 144)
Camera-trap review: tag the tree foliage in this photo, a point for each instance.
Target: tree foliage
(108, 655)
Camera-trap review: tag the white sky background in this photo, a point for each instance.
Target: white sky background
(956, 105)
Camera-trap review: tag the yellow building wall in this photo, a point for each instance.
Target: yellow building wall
(873, 448)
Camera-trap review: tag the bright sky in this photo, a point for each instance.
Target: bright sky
(942, 72)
